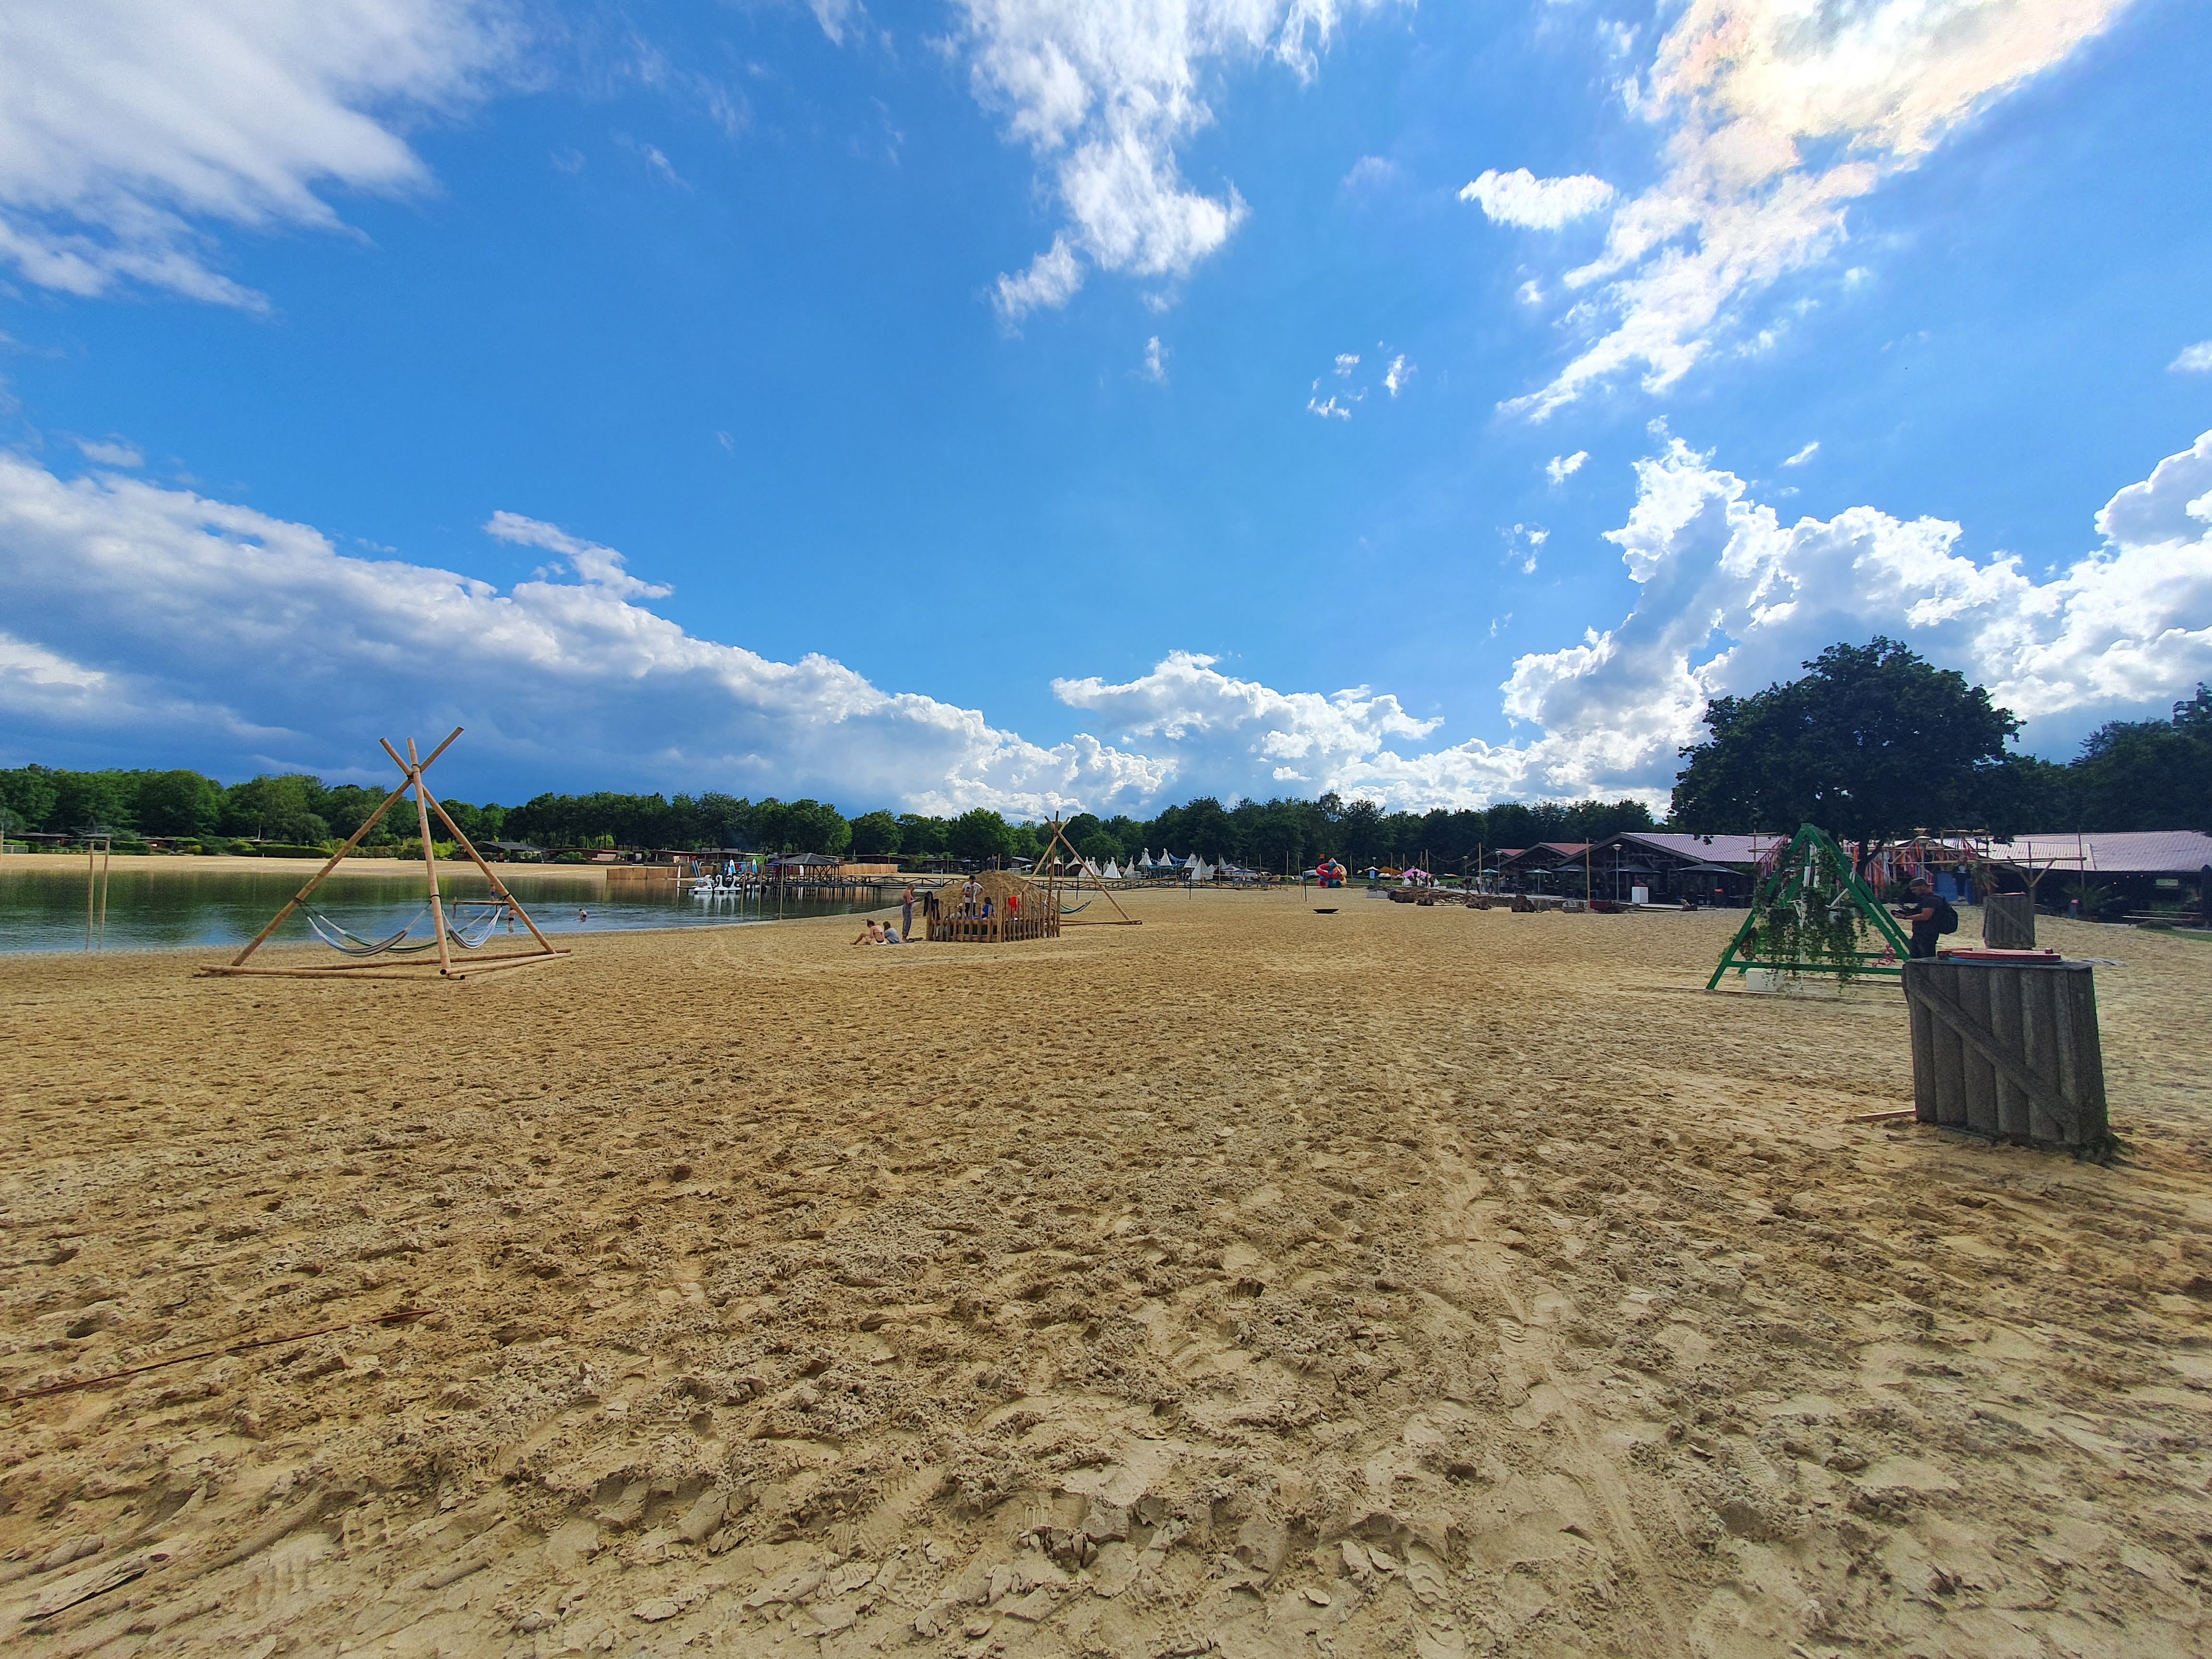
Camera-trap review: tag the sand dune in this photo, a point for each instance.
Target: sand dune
(1400, 1280)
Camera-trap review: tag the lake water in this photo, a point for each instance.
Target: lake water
(179, 907)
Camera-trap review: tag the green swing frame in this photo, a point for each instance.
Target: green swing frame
(1784, 885)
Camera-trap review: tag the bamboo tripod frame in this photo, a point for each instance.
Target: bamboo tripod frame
(1052, 883)
(445, 967)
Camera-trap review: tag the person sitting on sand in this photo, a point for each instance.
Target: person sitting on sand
(871, 934)
(892, 935)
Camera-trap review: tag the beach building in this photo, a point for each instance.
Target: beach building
(1549, 867)
(2124, 872)
(1670, 867)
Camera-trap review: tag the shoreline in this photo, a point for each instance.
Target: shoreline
(232, 864)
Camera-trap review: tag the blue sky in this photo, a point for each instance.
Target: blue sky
(977, 381)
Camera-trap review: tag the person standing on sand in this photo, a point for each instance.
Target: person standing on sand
(1924, 914)
(969, 894)
(906, 914)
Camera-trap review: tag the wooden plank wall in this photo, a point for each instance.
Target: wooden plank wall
(2009, 921)
(2041, 1018)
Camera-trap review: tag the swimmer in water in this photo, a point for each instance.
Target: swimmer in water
(583, 916)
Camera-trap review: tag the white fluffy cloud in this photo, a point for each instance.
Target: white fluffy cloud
(195, 624)
(129, 128)
(1780, 113)
(1103, 92)
(1729, 598)
(1222, 728)
(1560, 468)
(2194, 360)
(1520, 198)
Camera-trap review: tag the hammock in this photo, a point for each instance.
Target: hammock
(470, 924)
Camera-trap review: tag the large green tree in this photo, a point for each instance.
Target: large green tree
(1873, 742)
(2147, 774)
(979, 836)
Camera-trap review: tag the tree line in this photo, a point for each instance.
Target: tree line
(1872, 741)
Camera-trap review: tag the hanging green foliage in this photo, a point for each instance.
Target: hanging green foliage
(1811, 915)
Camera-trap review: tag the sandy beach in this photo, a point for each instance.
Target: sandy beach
(1403, 1280)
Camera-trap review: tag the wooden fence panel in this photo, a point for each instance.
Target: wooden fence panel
(2008, 1050)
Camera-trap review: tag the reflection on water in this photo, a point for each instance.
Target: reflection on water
(44, 909)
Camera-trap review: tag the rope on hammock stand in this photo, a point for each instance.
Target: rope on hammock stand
(472, 934)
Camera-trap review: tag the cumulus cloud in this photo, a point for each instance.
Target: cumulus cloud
(128, 130)
(2194, 360)
(1520, 198)
(1050, 282)
(200, 626)
(1398, 373)
(1104, 93)
(1778, 116)
(1221, 726)
(1729, 599)
(1560, 468)
(188, 621)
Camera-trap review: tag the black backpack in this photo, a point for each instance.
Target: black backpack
(1947, 919)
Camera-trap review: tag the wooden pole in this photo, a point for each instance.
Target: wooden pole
(351, 841)
(498, 886)
(429, 860)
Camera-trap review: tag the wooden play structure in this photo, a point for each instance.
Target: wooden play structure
(469, 926)
(1005, 908)
(1055, 870)
(1809, 914)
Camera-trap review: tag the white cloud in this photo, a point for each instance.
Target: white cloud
(835, 16)
(1560, 468)
(1050, 282)
(1156, 361)
(1399, 373)
(1779, 115)
(128, 129)
(1730, 599)
(2194, 360)
(1332, 408)
(1103, 92)
(1520, 198)
(189, 622)
(1371, 172)
(112, 453)
(1346, 362)
(1804, 454)
(1524, 542)
(595, 566)
(1727, 599)
(1223, 727)
(186, 621)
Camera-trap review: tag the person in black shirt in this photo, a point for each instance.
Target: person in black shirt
(1925, 914)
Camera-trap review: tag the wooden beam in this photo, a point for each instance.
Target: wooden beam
(351, 841)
